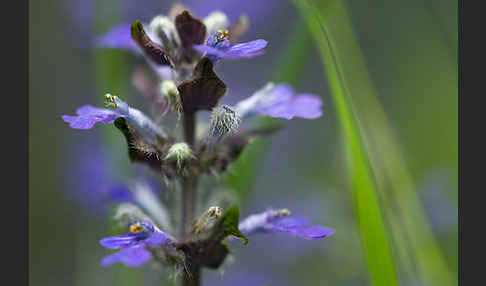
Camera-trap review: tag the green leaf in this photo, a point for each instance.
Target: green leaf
(229, 224)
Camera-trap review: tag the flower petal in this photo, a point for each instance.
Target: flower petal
(303, 106)
(300, 227)
(156, 239)
(307, 106)
(247, 48)
(282, 102)
(237, 51)
(89, 115)
(132, 257)
(279, 221)
(121, 241)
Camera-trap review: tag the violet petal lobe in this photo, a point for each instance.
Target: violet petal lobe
(249, 48)
(132, 257)
(237, 51)
(300, 227)
(121, 241)
(156, 239)
(304, 106)
(89, 115)
(283, 102)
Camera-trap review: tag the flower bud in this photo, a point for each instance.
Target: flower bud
(181, 153)
(128, 214)
(224, 120)
(163, 27)
(215, 21)
(207, 219)
(170, 93)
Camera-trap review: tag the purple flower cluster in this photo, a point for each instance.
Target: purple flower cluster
(182, 50)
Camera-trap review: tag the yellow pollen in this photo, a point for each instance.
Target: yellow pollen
(136, 228)
(284, 212)
(223, 35)
(109, 97)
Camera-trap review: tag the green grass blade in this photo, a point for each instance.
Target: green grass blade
(340, 52)
(374, 234)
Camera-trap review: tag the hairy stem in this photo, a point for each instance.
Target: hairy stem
(189, 192)
(189, 125)
(189, 196)
(193, 279)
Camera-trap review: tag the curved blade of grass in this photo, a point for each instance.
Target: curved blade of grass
(370, 220)
(352, 89)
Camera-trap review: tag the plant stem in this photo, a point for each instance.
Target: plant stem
(189, 125)
(189, 192)
(189, 196)
(192, 280)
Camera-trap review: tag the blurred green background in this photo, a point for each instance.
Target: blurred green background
(380, 166)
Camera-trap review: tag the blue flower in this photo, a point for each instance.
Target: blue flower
(134, 245)
(218, 46)
(281, 221)
(89, 115)
(281, 101)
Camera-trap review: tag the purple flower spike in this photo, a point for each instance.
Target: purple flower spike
(217, 46)
(134, 253)
(134, 256)
(89, 115)
(281, 221)
(280, 101)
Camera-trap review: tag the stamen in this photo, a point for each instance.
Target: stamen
(283, 212)
(110, 100)
(135, 228)
(222, 35)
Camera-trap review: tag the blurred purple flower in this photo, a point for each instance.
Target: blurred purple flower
(257, 11)
(118, 37)
(89, 174)
(134, 253)
(218, 46)
(281, 221)
(280, 101)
